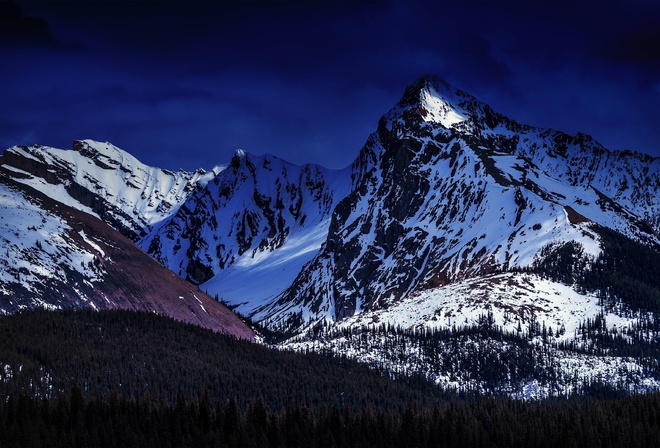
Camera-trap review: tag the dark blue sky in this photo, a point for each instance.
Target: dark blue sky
(184, 84)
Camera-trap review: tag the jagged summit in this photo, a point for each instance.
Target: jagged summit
(242, 157)
(440, 219)
(436, 101)
(440, 88)
(240, 153)
(91, 148)
(105, 181)
(414, 91)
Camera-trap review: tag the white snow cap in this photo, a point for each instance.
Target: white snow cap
(441, 106)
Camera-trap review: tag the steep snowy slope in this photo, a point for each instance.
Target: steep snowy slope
(467, 232)
(54, 256)
(448, 190)
(103, 180)
(248, 232)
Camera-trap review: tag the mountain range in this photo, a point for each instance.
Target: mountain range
(453, 221)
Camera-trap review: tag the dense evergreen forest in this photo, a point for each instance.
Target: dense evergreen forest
(43, 353)
(625, 274)
(116, 378)
(70, 421)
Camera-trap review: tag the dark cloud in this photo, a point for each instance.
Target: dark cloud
(18, 30)
(638, 48)
(183, 84)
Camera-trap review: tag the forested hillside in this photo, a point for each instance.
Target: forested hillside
(625, 274)
(69, 421)
(119, 378)
(43, 353)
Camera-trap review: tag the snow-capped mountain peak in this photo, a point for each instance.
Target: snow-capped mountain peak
(438, 102)
(448, 190)
(105, 181)
(240, 154)
(451, 214)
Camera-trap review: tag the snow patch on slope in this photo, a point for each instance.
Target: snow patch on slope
(37, 246)
(512, 299)
(440, 109)
(252, 282)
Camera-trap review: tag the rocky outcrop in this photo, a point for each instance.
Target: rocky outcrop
(447, 189)
(250, 209)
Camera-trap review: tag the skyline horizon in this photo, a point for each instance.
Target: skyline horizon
(185, 84)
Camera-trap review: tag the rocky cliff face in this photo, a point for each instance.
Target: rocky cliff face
(446, 190)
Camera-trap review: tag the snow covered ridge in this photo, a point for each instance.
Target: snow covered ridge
(436, 202)
(450, 212)
(103, 180)
(261, 218)
(54, 257)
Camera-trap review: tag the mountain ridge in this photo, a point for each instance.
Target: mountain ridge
(58, 257)
(104, 181)
(449, 207)
(408, 158)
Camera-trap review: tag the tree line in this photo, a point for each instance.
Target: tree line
(69, 420)
(43, 353)
(625, 273)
